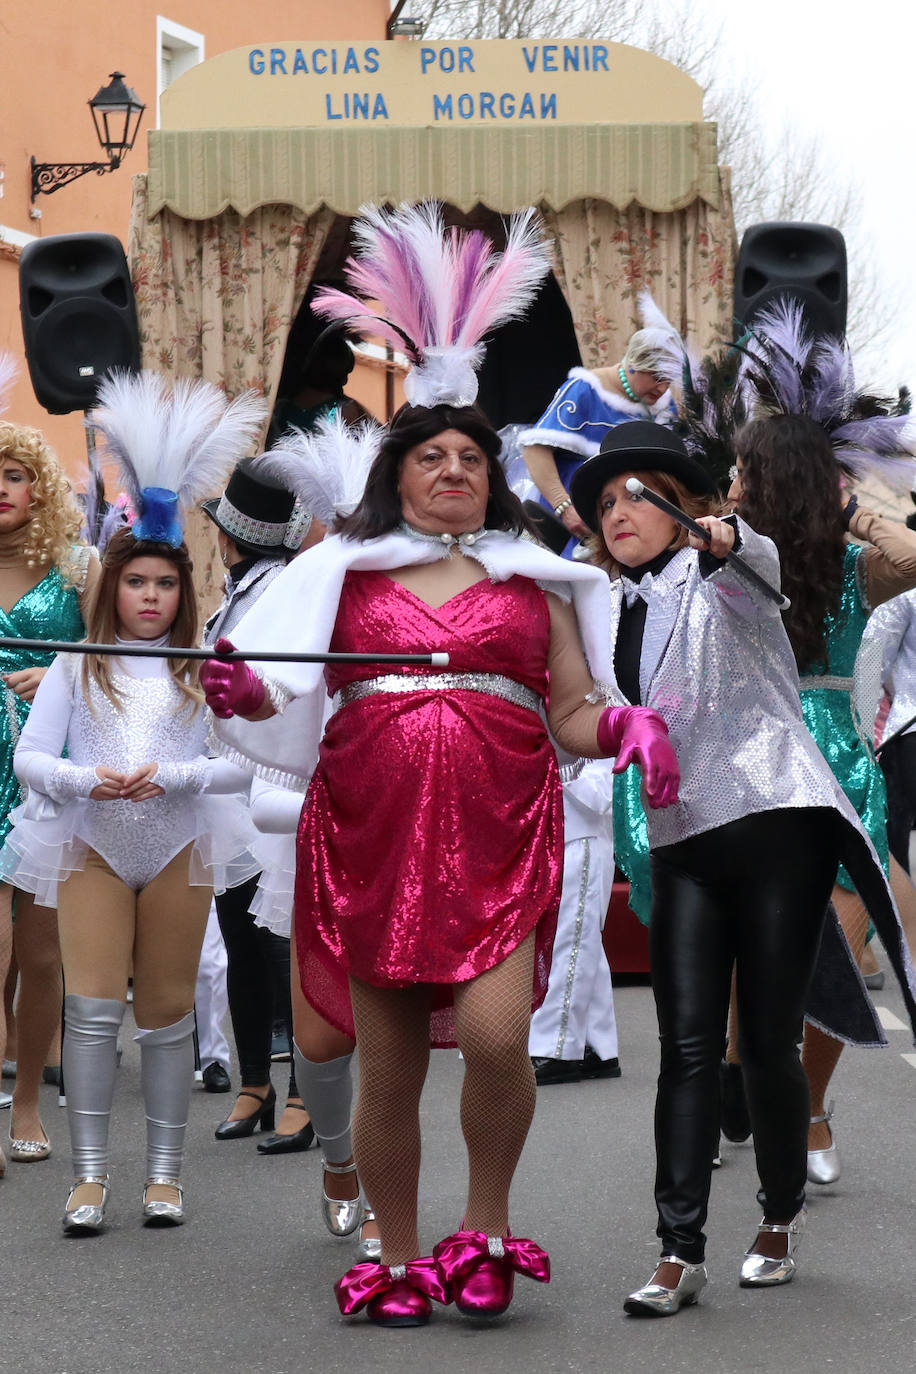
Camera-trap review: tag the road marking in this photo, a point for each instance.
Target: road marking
(910, 1059)
(888, 1020)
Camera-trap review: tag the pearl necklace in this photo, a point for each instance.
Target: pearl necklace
(448, 540)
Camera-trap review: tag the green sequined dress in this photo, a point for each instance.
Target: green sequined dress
(827, 713)
(48, 611)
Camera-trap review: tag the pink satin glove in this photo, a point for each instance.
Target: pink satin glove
(231, 689)
(637, 735)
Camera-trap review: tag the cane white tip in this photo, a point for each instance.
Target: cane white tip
(635, 486)
(439, 660)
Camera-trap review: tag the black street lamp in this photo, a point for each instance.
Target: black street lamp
(116, 113)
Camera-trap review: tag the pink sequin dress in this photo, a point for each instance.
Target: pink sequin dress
(431, 838)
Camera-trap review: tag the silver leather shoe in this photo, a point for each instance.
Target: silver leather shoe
(341, 1215)
(760, 1271)
(368, 1251)
(89, 1217)
(159, 1212)
(655, 1300)
(824, 1165)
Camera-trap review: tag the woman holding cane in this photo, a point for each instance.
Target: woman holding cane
(696, 640)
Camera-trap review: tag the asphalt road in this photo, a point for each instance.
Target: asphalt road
(246, 1284)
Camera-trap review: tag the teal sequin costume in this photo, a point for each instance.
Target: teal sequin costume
(829, 718)
(49, 611)
(827, 715)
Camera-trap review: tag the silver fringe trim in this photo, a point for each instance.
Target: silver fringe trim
(277, 777)
(278, 695)
(491, 684)
(574, 952)
(570, 771)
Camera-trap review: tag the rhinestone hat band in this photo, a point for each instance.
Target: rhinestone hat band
(239, 526)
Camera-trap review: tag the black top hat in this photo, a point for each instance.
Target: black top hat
(634, 446)
(254, 511)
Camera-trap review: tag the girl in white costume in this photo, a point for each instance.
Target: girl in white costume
(130, 832)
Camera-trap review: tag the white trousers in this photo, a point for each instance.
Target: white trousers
(579, 1007)
(211, 999)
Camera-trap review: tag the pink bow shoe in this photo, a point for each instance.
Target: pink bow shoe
(393, 1295)
(480, 1270)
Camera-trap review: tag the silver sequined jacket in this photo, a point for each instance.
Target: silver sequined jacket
(716, 663)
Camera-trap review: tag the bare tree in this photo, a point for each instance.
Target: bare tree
(616, 20)
(776, 173)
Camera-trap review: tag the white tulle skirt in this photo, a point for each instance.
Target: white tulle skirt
(49, 841)
(272, 907)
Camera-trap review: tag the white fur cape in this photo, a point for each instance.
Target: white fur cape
(299, 609)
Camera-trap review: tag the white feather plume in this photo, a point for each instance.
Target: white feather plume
(327, 468)
(9, 371)
(185, 440)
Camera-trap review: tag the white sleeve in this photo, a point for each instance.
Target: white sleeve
(213, 776)
(275, 810)
(37, 761)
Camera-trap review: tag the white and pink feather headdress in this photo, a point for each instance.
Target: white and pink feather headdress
(433, 293)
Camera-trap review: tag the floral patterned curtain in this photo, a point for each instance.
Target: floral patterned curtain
(605, 256)
(215, 299)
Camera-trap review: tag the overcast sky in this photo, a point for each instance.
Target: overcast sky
(847, 73)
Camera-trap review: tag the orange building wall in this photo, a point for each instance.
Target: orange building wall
(55, 56)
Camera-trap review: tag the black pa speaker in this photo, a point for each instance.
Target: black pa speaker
(78, 317)
(805, 261)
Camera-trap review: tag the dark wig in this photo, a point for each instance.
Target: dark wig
(791, 493)
(379, 511)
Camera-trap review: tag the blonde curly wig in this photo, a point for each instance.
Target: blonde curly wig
(55, 518)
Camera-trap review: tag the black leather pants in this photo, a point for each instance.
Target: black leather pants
(750, 894)
(257, 980)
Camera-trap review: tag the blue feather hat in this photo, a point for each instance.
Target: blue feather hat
(173, 446)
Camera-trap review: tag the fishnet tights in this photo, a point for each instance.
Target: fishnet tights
(492, 1015)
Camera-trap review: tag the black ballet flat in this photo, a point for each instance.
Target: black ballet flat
(264, 1116)
(288, 1144)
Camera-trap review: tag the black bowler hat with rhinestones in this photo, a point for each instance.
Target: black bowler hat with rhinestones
(254, 511)
(634, 446)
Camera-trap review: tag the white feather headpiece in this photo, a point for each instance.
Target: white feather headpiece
(173, 446)
(326, 468)
(439, 291)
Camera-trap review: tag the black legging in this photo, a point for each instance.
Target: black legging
(898, 760)
(750, 894)
(258, 983)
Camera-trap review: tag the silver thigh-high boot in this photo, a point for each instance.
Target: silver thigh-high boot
(90, 1062)
(166, 1070)
(327, 1091)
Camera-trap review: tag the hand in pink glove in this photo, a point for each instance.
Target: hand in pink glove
(231, 689)
(638, 735)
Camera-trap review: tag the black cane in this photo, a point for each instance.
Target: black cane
(762, 585)
(54, 646)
